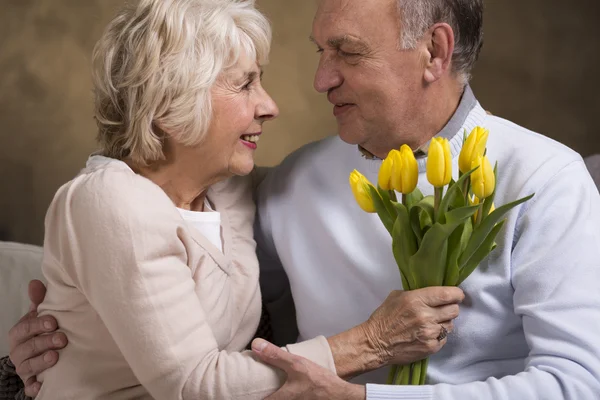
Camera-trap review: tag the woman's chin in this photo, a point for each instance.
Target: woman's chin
(242, 166)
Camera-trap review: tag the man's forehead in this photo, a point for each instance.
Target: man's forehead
(337, 19)
(353, 7)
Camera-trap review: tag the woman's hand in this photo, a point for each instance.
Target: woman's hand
(32, 346)
(305, 379)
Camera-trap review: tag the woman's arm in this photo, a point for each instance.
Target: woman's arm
(119, 243)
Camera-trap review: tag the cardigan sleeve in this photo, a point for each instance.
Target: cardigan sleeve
(117, 241)
(555, 275)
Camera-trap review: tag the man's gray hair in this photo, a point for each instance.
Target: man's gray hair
(464, 16)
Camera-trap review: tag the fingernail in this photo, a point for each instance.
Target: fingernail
(47, 325)
(48, 357)
(259, 345)
(57, 340)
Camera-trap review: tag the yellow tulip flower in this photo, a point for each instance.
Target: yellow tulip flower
(360, 188)
(385, 171)
(474, 147)
(483, 180)
(473, 201)
(405, 170)
(439, 162)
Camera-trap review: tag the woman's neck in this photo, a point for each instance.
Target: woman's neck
(184, 183)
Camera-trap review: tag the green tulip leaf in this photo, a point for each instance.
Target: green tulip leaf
(388, 196)
(421, 214)
(413, 198)
(404, 245)
(456, 245)
(458, 215)
(482, 252)
(480, 233)
(428, 264)
(451, 194)
(382, 211)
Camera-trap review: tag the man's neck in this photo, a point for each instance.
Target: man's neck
(437, 110)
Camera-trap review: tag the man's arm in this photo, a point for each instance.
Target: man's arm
(403, 329)
(556, 274)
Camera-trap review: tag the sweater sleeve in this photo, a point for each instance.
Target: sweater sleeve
(118, 240)
(555, 275)
(11, 386)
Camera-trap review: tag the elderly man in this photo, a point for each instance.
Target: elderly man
(397, 72)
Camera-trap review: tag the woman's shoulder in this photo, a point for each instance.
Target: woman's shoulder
(233, 192)
(109, 188)
(234, 198)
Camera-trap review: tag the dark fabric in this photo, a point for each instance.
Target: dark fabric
(264, 330)
(593, 165)
(11, 386)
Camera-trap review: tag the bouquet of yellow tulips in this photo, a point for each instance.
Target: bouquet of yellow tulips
(437, 240)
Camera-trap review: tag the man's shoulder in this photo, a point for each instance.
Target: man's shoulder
(528, 159)
(517, 139)
(516, 144)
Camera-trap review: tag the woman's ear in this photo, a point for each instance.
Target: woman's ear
(440, 47)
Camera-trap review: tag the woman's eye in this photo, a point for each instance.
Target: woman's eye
(247, 86)
(319, 50)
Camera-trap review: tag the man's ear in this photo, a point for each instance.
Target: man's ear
(440, 47)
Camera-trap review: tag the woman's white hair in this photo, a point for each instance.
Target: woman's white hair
(155, 65)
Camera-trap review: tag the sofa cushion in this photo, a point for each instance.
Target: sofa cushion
(19, 263)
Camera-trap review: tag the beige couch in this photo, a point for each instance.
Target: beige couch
(19, 263)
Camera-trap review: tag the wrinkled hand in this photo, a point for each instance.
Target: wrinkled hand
(406, 327)
(32, 347)
(305, 379)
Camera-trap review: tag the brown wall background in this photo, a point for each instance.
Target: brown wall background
(539, 68)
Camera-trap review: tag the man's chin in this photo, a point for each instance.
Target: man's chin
(350, 136)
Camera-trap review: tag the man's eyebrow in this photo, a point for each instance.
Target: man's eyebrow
(337, 42)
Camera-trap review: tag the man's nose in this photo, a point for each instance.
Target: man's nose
(327, 76)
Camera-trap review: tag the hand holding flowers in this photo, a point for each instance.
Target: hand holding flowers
(437, 240)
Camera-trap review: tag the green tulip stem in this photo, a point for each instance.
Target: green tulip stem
(465, 189)
(405, 200)
(479, 214)
(392, 375)
(415, 376)
(425, 364)
(437, 199)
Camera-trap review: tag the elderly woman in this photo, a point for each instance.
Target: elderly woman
(151, 266)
